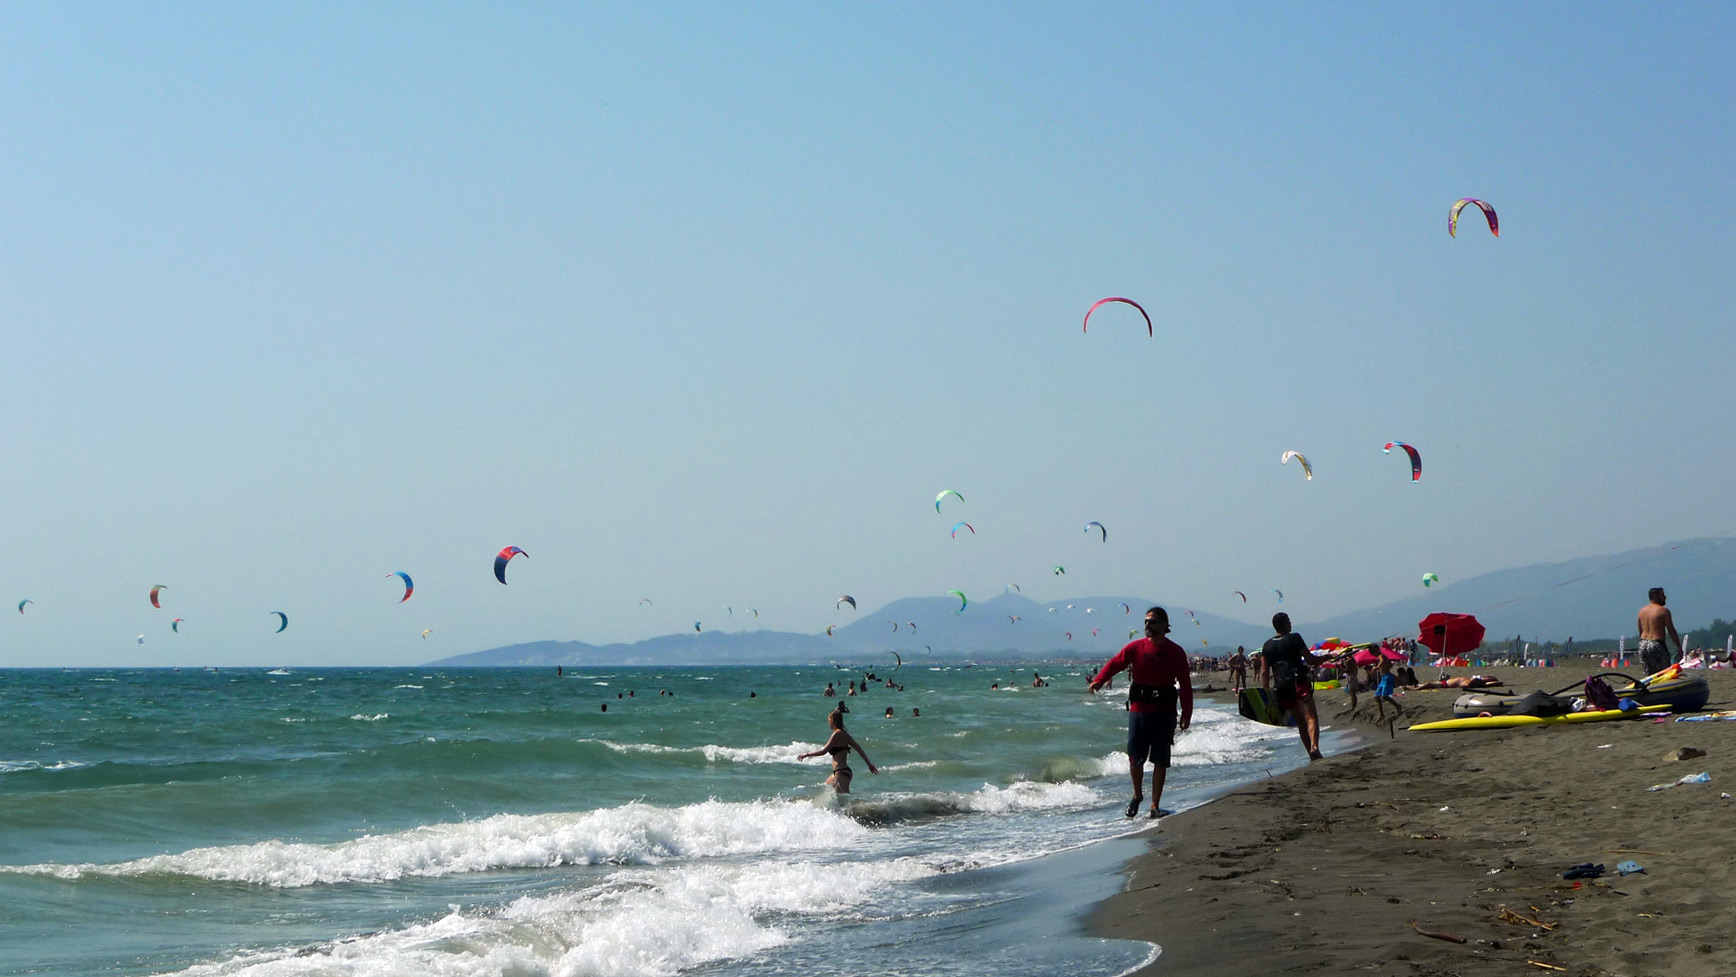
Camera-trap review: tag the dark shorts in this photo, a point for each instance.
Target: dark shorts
(1291, 694)
(1149, 735)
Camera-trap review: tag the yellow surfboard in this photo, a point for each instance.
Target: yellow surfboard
(1503, 722)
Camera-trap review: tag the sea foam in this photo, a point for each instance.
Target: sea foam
(636, 923)
(631, 834)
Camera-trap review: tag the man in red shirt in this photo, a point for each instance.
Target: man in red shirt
(1158, 669)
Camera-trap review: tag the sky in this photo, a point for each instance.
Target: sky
(705, 303)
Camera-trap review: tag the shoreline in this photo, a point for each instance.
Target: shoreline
(1324, 868)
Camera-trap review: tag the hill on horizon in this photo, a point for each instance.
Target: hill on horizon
(1586, 598)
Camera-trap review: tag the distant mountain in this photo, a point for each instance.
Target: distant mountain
(1593, 597)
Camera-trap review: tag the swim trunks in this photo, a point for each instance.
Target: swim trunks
(1149, 735)
(1655, 655)
(1386, 687)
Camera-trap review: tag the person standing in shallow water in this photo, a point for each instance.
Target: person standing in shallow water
(1158, 669)
(839, 745)
(1656, 624)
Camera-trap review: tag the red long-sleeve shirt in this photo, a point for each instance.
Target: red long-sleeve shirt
(1159, 663)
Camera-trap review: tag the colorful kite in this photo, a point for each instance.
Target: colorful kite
(501, 559)
(1416, 459)
(1307, 469)
(1484, 205)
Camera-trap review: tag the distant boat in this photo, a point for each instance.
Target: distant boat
(278, 671)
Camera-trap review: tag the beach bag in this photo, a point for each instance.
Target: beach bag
(1600, 695)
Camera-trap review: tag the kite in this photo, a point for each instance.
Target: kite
(501, 558)
(1100, 529)
(912, 626)
(754, 612)
(175, 625)
(409, 587)
(728, 611)
(22, 603)
(1086, 326)
(1416, 459)
(1094, 632)
(1060, 571)
(944, 493)
(963, 602)
(962, 525)
(829, 628)
(894, 626)
(1069, 636)
(1126, 609)
(1430, 579)
(900, 661)
(846, 599)
(1243, 596)
(645, 600)
(1307, 469)
(283, 620)
(695, 627)
(426, 632)
(1483, 205)
(154, 591)
(1014, 588)
(1280, 594)
(1133, 634)
(1012, 619)
(141, 639)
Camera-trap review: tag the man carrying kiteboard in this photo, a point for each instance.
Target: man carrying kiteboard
(1285, 658)
(1157, 667)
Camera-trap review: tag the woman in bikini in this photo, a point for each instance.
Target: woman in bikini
(839, 746)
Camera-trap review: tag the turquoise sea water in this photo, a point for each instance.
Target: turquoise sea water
(499, 822)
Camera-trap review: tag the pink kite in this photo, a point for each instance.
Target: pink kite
(1113, 298)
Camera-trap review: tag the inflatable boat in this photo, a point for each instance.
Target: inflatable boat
(1670, 687)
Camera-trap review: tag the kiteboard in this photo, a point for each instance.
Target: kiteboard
(1503, 722)
(1261, 705)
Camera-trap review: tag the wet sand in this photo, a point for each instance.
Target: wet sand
(1325, 870)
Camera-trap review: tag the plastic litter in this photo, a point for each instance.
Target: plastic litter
(1584, 870)
(1629, 867)
(1694, 778)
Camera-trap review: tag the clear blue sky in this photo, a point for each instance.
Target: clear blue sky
(705, 303)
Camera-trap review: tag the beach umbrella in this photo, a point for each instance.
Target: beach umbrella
(1450, 634)
(1368, 656)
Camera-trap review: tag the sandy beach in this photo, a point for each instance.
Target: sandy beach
(1349, 864)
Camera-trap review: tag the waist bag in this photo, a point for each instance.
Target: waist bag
(1150, 693)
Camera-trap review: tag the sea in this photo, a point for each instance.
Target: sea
(615, 822)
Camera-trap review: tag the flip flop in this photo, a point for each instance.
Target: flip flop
(1159, 812)
(1133, 805)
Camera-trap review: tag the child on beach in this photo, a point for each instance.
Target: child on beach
(1384, 690)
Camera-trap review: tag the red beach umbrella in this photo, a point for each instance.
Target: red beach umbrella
(1450, 634)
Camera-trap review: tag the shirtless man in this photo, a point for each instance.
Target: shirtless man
(1655, 623)
(1239, 669)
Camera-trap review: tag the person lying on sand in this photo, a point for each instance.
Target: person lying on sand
(1462, 682)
